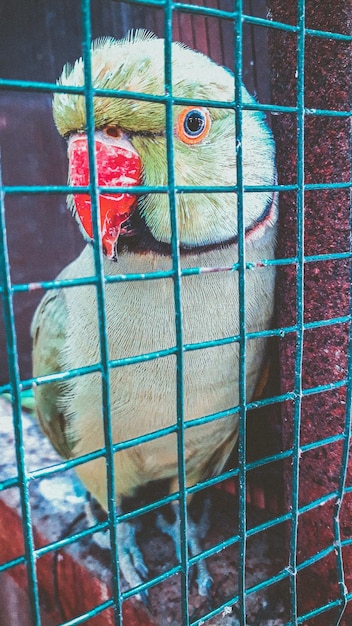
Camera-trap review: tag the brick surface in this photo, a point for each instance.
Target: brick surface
(74, 581)
(77, 578)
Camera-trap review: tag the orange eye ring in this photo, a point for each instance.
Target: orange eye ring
(193, 125)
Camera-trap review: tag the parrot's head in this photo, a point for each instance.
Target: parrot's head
(131, 146)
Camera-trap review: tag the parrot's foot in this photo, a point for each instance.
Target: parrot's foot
(195, 531)
(131, 561)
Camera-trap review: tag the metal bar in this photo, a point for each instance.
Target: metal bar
(54, 284)
(104, 366)
(84, 617)
(13, 563)
(104, 350)
(299, 313)
(242, 430)
(176, 266)
(319, 610)
(14, 375)
(345, 456)
(141, 189)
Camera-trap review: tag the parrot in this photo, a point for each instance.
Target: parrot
(130, 147)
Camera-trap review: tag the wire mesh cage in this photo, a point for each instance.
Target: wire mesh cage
(279, 548)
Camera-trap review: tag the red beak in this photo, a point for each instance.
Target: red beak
(118, 164)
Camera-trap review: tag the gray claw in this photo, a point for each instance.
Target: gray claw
(204, 580)
(132, 563)
(141, 568)
(131, 560)
(144, 596)
(205, 583)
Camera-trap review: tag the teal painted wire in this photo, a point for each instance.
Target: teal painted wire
(104, 351)
(73, 282)
(190, 8)
(35, 86)
(13, 563)
(15, 383)
(234, 600)
(175, 274)
(65, 189)
(242, 430)
(299, 314)
(321, 609)
(176, 266)
(345, 452)
(84, 617)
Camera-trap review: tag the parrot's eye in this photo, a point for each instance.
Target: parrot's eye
(193, 124)
(112, 131)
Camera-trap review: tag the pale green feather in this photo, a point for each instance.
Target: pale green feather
(137, 64)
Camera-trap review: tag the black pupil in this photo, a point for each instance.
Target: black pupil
(194, 123)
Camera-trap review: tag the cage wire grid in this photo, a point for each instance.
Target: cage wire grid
(16, 386)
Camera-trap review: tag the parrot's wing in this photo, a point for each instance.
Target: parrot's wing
(48, 332)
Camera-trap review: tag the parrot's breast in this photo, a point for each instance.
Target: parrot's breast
(141, 321)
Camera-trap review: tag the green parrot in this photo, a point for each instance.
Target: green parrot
(130, 150)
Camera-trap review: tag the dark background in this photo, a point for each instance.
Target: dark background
(37, 38)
